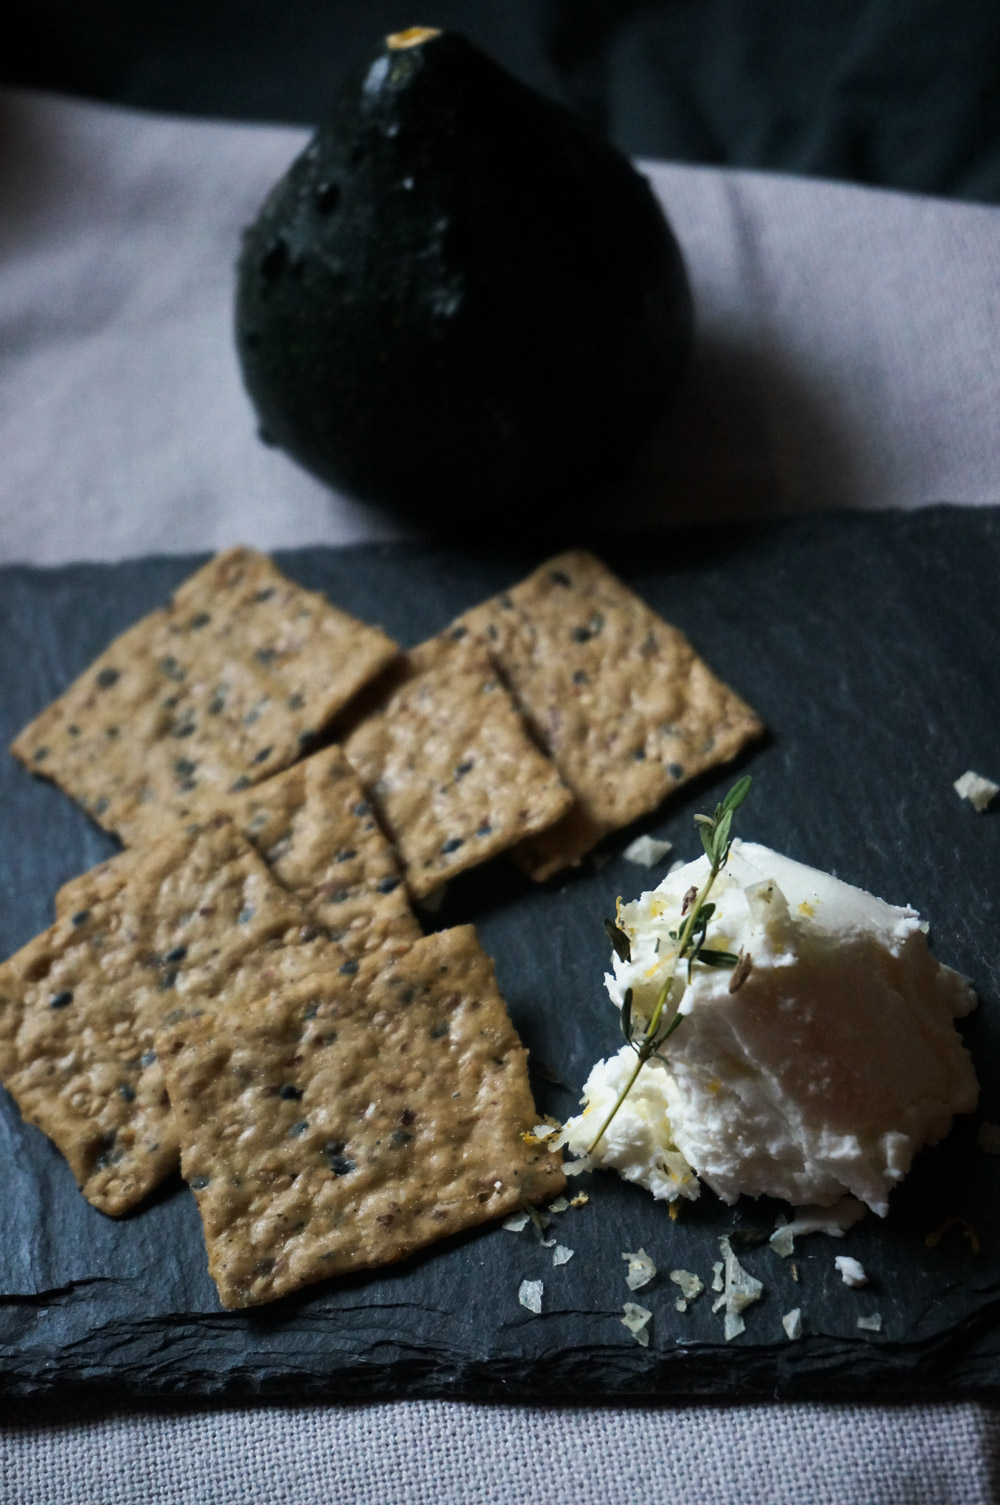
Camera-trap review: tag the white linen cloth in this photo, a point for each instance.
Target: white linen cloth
(848, 355)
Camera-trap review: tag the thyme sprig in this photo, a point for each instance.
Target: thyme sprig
(696, 913)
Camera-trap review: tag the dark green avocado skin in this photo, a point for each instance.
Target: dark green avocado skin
(459, 302)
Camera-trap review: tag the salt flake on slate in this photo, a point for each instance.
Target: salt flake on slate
(978, 791)
(741, 1290)
(872, 1324)
(529, 1294)
(792, 1322)
(561, 1255)
(647, 851)
(641, 1270)
(690, 1285)
(637, 1320)
(516, 1222)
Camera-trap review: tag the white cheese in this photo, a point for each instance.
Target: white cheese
(833, 1220)
(851, 1271)
(638, 1144)
(822, 1075)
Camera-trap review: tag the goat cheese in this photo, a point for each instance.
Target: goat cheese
(821, 1073)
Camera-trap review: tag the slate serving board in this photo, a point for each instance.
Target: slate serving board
(870, 645)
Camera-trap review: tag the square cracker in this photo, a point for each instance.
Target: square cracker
(199, 921)
(318, 835)
(617, 697)
(344, 1122)
(448, 764)
(213, 693)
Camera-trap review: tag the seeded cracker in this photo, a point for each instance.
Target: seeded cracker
(618, 698)
(445, 758)
(199, 922)
(215, 692)
(317, 833)
(345, 1122)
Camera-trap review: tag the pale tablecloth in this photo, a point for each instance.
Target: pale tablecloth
(848, 355)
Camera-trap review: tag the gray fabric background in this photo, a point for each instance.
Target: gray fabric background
(848, 356)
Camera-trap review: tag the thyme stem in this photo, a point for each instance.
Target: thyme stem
(715, 830)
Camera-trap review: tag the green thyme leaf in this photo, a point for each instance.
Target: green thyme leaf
(716, 958)
(722, 833)
(626, 1015)
(736, 795)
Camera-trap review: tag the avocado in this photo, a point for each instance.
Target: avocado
(460, 302)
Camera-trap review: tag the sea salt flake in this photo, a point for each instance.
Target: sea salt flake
(559, 1205)
(792, 1322)
(740, 1291)
(978, 791)
(872, 1324)
(561, 1255)
(529, 1294)
(637, 1320)
(647, 851)
(689, 1283)
(641, 1270)
(516, 1222)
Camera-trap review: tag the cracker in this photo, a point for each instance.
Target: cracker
(345, 1122)
(448, 764)
(618, 698)
(210, 695)
(318, 835)
(199, 922)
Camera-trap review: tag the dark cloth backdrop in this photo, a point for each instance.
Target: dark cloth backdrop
(898, 93)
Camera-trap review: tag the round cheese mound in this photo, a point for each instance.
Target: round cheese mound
(823, 1074)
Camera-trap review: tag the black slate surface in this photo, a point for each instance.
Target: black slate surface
(870, 644)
